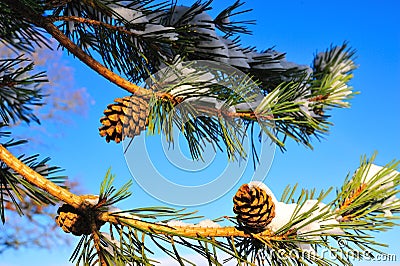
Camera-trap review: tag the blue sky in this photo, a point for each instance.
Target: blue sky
(301, 29)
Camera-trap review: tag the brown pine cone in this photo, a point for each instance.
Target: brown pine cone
(73, 221)
(125, 118)
(254, 208)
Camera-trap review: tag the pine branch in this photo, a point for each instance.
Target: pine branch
(305, 214)
(299, 226)
(326, 87)
(78, 203)
(46, 24)
(38, 180)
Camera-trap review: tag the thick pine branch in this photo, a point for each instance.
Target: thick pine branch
(38, 180)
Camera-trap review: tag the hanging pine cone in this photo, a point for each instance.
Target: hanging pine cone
(254, 208)
(125, 118)
(73, 221)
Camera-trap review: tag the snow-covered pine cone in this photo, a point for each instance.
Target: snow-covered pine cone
(125, 118)
(254, 208)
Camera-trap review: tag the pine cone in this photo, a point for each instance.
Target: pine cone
(254, 208)
(125, 118)
(73, 221)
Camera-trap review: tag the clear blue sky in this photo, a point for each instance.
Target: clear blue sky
(299, 28)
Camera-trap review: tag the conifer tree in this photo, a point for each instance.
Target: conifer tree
(129, 42)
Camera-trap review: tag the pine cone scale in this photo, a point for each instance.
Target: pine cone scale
(104, 120)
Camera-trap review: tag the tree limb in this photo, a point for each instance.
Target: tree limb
(38, 180)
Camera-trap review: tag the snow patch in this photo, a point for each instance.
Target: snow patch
(208, 224)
